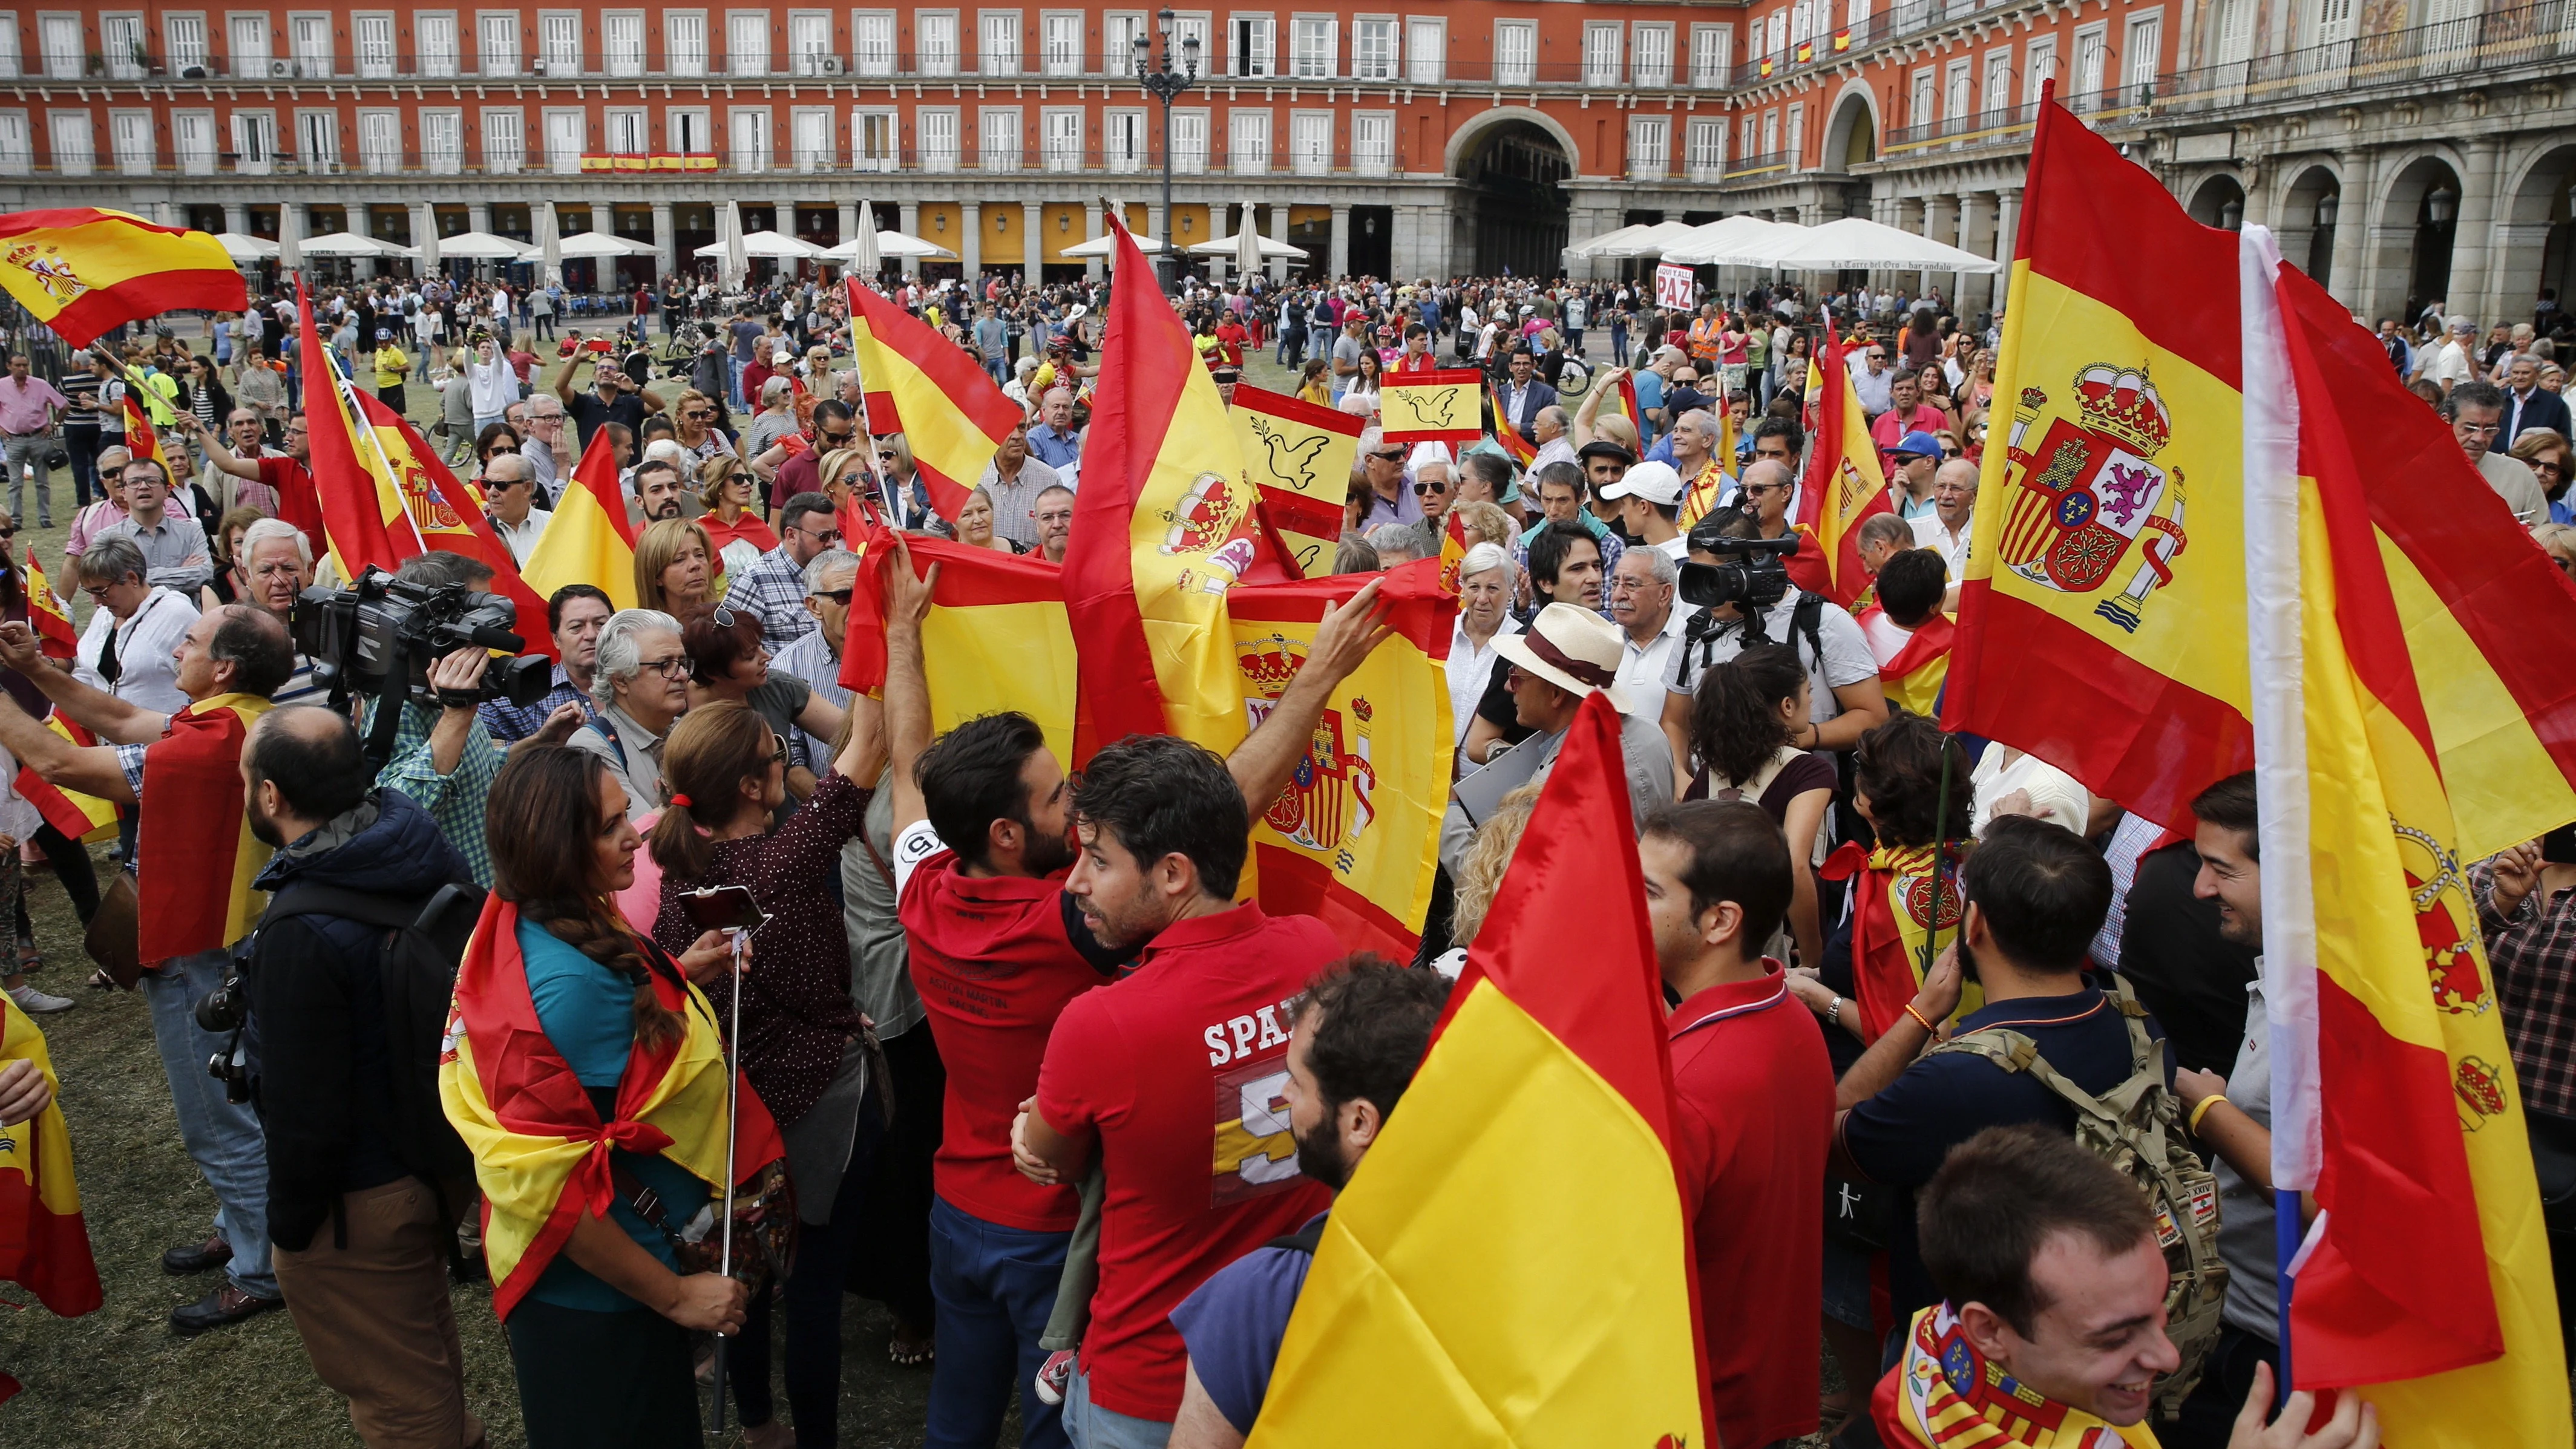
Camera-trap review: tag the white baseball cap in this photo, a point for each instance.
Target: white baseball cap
(1655, 482)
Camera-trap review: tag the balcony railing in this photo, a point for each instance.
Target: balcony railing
(1036, 161)
(1739, 167)
(2534, 34)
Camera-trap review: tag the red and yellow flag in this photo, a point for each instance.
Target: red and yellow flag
(1438, 406)
(1299, 456)
(81, 270)
(1523, 452)
(363, 520)
(1843, 485)
(46, 612)
(446, 511)
(589, 540)
(1899, 905)
(1448, 1304)
(44, 1245)
(540, 1150)
(85, 818)
(997, 637)
(143, 440)
(1453, 553)
(197, 858)
(1913, 664)
(920, 384)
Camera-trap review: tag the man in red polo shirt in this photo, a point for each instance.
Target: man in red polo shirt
(1754, 1111)
(998, 949)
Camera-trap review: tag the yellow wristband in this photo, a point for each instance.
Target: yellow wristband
(2202, 1110)
(1918, 1016)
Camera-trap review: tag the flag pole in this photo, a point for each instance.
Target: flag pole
(1940, 849)
(867, 429)
(733, 1126)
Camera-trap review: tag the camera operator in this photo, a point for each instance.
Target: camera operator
(229, 663)
(1844, 699)
(361, 1233)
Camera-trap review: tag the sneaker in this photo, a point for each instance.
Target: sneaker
(37, 1003)
(228, 1304)
(1055, 1375)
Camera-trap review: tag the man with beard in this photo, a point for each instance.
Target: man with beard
(836, 426)
(1361, 1029)
(1001, 940)
(360, 1214)
(658, 490)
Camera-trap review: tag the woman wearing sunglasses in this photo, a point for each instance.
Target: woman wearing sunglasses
(727, 662)
(730, 492)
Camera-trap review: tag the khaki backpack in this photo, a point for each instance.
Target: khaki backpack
(2137, 1127)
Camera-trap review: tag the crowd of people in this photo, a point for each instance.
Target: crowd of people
(990, 1001)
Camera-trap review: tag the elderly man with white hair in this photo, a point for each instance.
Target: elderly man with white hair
(641, 684)
(1484, 615)
(1390, 494)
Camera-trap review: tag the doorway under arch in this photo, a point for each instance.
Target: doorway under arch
(1514, 175)
(2423, 203)
(2219, 202)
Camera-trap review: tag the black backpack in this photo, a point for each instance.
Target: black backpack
(423, 944)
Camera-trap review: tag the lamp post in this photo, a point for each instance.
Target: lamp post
(1166, 84)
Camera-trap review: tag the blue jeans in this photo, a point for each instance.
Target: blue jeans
(223, 1137)
(995, 1287)
(1093, 1427)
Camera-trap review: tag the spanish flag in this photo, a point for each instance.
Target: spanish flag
(997, 636)
(84, 818)
(1912, 664)
(1843, 485)
(589, 540)
(1353, 838)
(1162, 528)
(1453, 553)
(51, 618)
(920, 384)
(1438, 406)
(541, 1155)
(81, 271)
(44, 1245)
(197, 857)
(1299, 456)
(1522, 451)
(446, 512)
(1448, 1302)
(363, 522)
(1900, 903)
(143, 440)
(1700, 495)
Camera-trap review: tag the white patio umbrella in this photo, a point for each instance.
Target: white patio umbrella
(1107, 246)
(733, 266)
(771, 245)
(348, 244)
(1731, 241)
(481, 246)
(549, 245)
(1650, 240)
(1856, 242)
(601, 244)
(1600, 246)
(867, 257)
(897, 244)
(243, 247)
(1227, 246)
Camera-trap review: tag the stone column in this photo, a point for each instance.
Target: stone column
(1093, 228)
(478, 216)
(1967, 224)
(2007, 234)
(236, 218)
(1400, 257)
(2356, 218)
(1339, 259)
(1932, 219)
(849, 223)
(2472, 270)
(970, 247)
(908, 218)
(1033, 241)
(666, 256)
(1278, 232)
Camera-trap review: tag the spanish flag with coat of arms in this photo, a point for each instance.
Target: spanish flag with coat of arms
(1843, 486)
(83, 270)
(2226, 537)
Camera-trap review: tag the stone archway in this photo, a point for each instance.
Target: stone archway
(1851, 137)
(2535, 242)
(2417, 219)
(2307, 215)
(2219, 201)
(1512, 166)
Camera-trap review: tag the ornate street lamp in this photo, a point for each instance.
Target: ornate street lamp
(1166, 84)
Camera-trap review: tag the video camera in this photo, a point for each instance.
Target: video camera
(1755, 574)
(363, 638)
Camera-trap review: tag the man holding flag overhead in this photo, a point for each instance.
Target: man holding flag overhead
(195, 864)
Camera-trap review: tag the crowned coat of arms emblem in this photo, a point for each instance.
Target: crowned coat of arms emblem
(2091, 508)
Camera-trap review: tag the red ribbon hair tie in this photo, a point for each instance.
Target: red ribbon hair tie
(681, 800)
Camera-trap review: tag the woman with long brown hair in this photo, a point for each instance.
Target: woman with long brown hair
(736, 531)
(556, 986)
(1745, 715)
(675, 570)
(804, 1045)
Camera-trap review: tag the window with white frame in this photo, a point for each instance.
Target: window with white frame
(121, 46)
(1652, 60)
(1711, 50)
(247, 34)
(997, 138)
(75, 149)
(12, 65)
(937, 130)
(621, 42)
(434, 37)
(1797, 149)
(1426, 51)
(999, 52)
(690, 130)
(1771, 133)
(1063, 41)
(684, 42)
(875, 141)
(1705, 152)
(183, 41)
(2092, 46)
(2038, 67)
(317, 141)
(628, 131)
(934, 42)
(747, 44)
(441, 143)
(1958, 91)
(60, 39)
(254, 142)
(1118, 32)
(1799, 22)
(2145, 41)
(311, 37)
(1373, 50)
(1855, 13)
(1247, 142)
(1122, 138)
(1310, 143)
(17, 155)
(1189, 143)
(379, 141)
(1515, 52)
(748, 130)
(567, 135)
(559, 44)
(872, 40)
(1249, 51)
(496, 44)
(129, 139)
(1317, 55)
(1602, 44)
(1927, 91)
(192, 140)
(1779, 31)
(1373, 143)
(1750, 144)
(372, 38)
(505, 141)
(811, 140)
(1186, 28)
(809, 42)
(1998, 80)
(2333, 22)
(1650, 147)
(1060, 132)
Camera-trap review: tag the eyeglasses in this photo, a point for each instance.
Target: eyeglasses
(1396, 455)
(1436, 485)
(99, 591)
(837, 596)
(1878, 357)
(675, 667)
(827, 535)
(777, 751)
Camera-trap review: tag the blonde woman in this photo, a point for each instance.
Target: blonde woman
(675, 569)
(731, 492)
(975, 524)
(1480, 874)
(693, 422)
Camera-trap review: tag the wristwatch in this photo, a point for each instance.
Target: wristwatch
(1834, 1013)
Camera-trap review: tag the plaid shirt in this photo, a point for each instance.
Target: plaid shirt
(2533, 956)
(773, 590)
(510, 723)
(454, 800)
